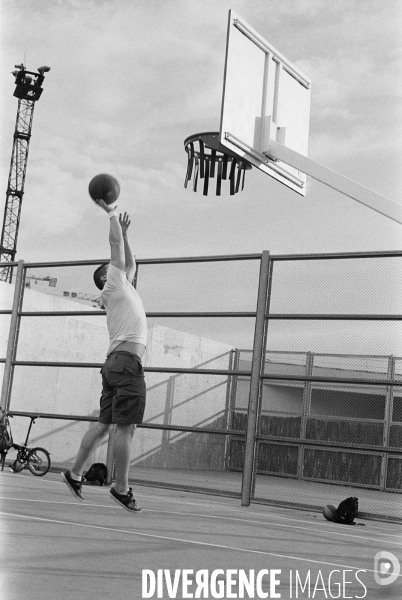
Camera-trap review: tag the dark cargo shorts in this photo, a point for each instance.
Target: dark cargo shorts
(123, 389)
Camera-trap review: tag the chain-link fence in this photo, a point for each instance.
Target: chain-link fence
(270, 378)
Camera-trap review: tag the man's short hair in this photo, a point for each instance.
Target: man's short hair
(100, 272)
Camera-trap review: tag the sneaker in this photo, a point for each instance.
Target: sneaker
(125, 500)
(75, 487)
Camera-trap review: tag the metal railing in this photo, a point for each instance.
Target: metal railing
(321, 453)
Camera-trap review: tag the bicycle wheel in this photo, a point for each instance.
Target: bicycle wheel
(38, 461)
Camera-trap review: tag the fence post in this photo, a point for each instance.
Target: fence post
(305, 412)
(255, 380)
(388, 409)
(12, 339)
(231, 405)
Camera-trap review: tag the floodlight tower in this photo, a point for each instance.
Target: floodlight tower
(28, 90)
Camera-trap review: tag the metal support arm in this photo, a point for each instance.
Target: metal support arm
(334, 180)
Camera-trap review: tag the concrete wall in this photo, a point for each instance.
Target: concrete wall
(184, 400)
(181, 399)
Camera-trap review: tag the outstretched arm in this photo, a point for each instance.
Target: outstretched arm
(115, 237)
(128, 253)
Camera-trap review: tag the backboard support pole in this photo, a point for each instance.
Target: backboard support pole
(257, 369)
(386, 207)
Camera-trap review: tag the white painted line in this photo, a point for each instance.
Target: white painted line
(72, 503)
(211, 503)
(329, 532)
(193, 542)
(266, 514)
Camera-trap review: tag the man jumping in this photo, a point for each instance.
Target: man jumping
(123, 383)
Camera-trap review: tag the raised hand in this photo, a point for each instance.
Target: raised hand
(107, 207)
(124, 222)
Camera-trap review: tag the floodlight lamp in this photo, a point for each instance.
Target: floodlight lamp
(43, 69)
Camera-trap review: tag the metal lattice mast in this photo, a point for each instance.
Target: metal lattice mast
(28, 90)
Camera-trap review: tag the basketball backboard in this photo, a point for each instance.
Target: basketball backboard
(264, 97)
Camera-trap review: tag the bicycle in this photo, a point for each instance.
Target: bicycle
(37, 459)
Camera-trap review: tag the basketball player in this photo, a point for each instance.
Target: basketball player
(123, 384)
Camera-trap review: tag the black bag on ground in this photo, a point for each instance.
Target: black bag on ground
(347, 511)
(96, 475)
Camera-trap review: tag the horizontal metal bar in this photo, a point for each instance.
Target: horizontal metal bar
(223, 315)
(142, 425)
(277, 257)
(335, 355)
(8, 264)
(233, 314)
(6, 312)
(37, 363)
(266, 413)
(151, 315)
(233, 433)
(320, 354)
(192, 429)
(65, 263)
(304, 353)
(366, 449)
(144, 261)
(62, 313)
(17, 413)
(190, 259)
(344, 419)
(333, 317)
(357, 381)
(338, 255)
(194, 371)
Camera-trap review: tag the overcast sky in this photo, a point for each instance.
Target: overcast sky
(130, 80)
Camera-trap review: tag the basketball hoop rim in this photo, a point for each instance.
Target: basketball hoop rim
(211, 141)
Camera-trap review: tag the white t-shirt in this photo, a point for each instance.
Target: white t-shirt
(125, 315)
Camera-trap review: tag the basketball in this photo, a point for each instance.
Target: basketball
(329, 511)
(104, 187)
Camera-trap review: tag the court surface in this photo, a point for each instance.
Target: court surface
(54, 547)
